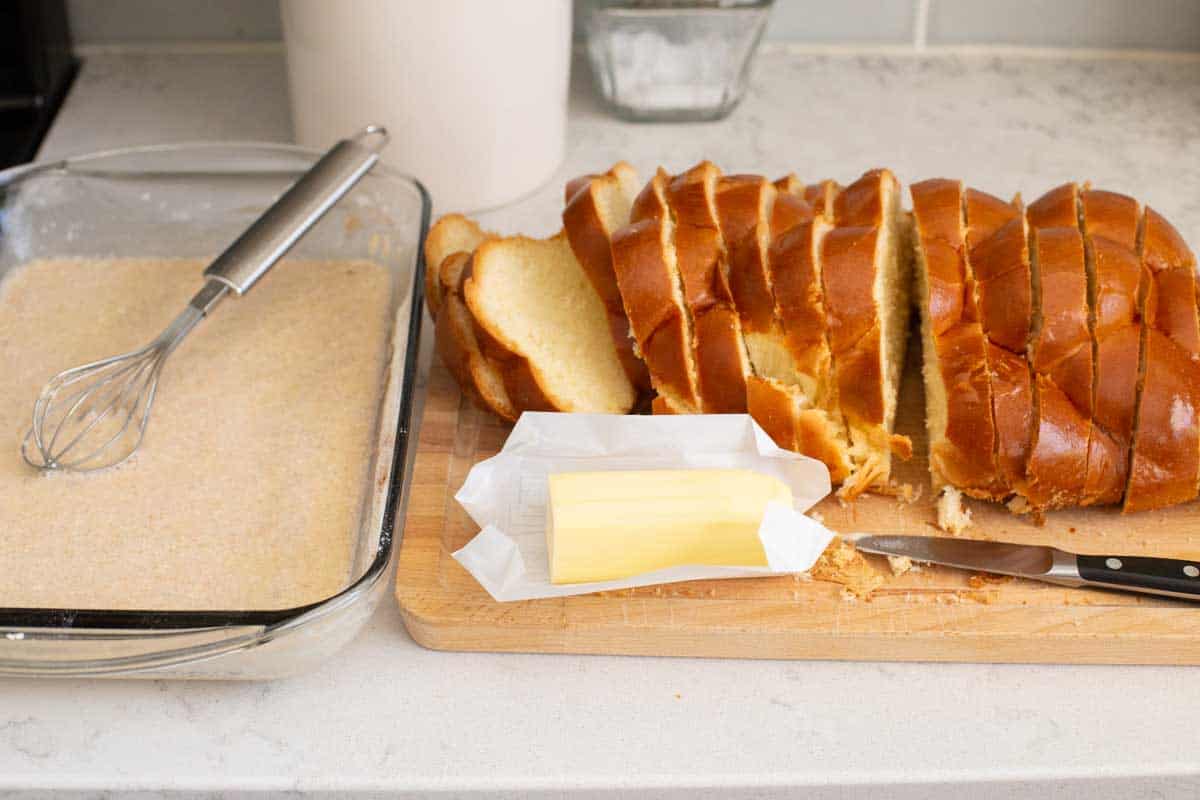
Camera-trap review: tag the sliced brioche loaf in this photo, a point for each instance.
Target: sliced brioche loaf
(535, 303)
(958, 395)
(596, 206)
(1165, 464)
(651, 288)
(865, 274)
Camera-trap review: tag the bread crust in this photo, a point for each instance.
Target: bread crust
(998, 259)
(1165, 457)
(965, 457)
(451, 233)
(799, 304)
(1061, 356)
(458, 345)
(785, 416)
(742, 203)
(522, 379)
(1057, 208)
(643, 261)
(848, 267)
(720, 351)
(590, 235)
(1109, 222)
(1165, 467)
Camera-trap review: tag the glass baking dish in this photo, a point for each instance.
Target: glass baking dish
(189, 201)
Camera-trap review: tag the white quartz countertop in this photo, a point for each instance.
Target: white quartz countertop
(389, 716)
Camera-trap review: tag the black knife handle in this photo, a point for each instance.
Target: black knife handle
(1167, 576)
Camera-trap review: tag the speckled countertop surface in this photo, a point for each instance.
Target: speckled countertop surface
(389, 716)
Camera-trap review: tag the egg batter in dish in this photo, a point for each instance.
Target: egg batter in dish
(248, 488)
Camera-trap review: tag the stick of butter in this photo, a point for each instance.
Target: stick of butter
(608, 525)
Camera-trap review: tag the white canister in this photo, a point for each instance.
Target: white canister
(473, 92)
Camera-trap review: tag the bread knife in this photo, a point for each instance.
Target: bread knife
(1169, 577)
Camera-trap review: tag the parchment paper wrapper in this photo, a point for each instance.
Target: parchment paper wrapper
(506, 495)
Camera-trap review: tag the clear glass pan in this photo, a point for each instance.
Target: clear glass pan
(189, 201)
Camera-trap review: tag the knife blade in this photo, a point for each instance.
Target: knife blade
(1169, 577)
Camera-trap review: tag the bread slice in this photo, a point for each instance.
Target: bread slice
(452, 233)
(958, 394)
(808, 388)
(1109, 223)
(790, 420)
(865, 274)
(548, 328)
(458, 345)
(1060, 353)
(1165, 463)
(652, 293)
(722, 364)
(596, 206)
(998, 260)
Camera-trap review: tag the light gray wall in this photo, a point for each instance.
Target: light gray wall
(1142, 24)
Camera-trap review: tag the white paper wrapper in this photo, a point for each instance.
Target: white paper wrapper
(506, 495)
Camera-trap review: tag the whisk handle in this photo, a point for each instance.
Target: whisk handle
(297, 210)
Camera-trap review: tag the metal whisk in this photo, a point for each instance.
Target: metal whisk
(95, 416)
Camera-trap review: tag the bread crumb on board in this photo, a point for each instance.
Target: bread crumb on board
(952, 516)
(899, 564)
(841, 563)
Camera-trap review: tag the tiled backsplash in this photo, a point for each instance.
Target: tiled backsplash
(1141, 24)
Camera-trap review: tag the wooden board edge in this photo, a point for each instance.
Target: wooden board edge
(435, 625)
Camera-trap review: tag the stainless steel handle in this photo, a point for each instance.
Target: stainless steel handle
(297, 210)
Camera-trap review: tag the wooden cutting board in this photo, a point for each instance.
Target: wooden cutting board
(934, 614)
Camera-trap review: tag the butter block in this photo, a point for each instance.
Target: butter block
(609, 525)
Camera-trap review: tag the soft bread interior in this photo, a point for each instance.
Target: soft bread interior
(893, 295)
(533, 296)
(936, 413)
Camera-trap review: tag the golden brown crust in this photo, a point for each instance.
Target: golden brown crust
(458, 345)
(1057, 208)
(998, 259)
(1165, 466)
(1165, 455)
(642, 258)
(590, 236)
(848, 275)
(519, 376)
(1057, 466)
(451, 233)
(1110, 216)
(1002, 273)
(742, 201)
(966, 456)
(986, 214)
(1061, 356)
(1012, 401)
(848, 268)
(721, 361)
(1172, 266)
(1110, 223)
(783, 415)
(821, 196)
(799, 304)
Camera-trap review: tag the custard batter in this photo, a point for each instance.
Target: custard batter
(247, 490)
